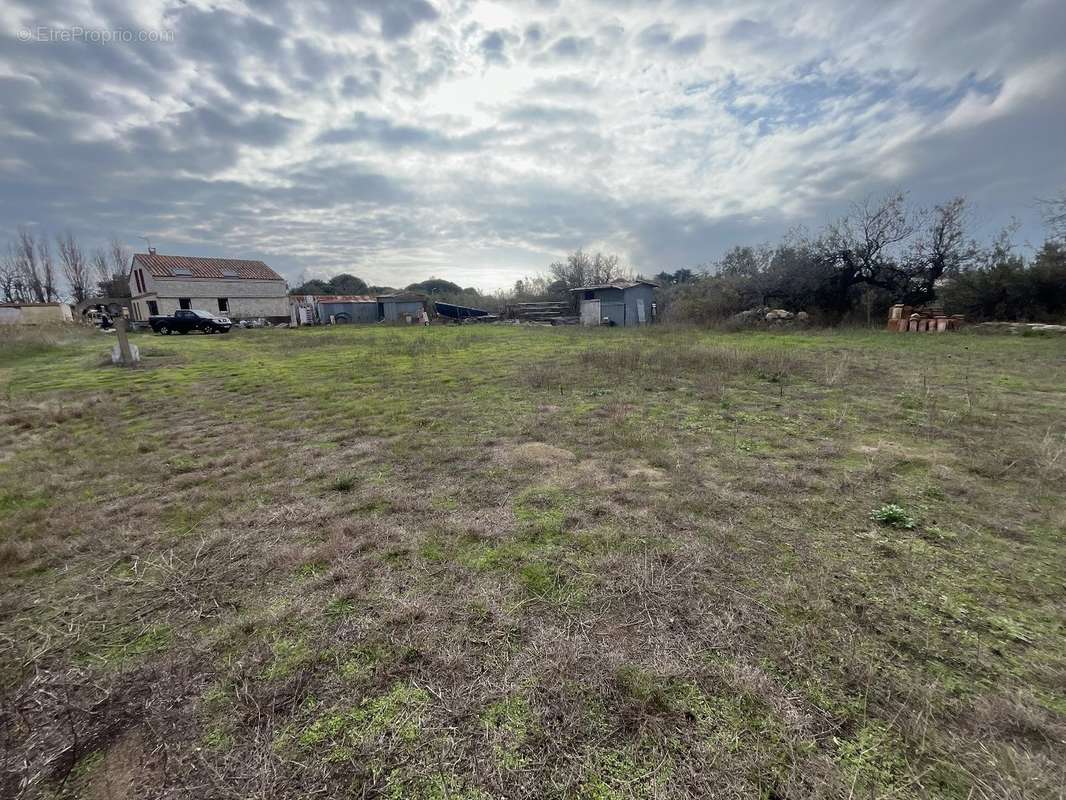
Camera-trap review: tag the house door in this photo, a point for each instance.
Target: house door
(590, 312)
(641, 319)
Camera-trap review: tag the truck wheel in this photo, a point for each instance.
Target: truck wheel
(163, 330)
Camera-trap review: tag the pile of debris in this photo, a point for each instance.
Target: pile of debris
(931, 319)
(778, 315)
(551, 312)
(766, 317)
(259, 322)
(1022, 328)
(464, 314)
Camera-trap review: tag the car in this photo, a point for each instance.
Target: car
(186, 320)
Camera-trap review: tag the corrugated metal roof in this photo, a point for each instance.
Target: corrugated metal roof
(614, 285)
(345, 298)
(161, 266)
(403, 297)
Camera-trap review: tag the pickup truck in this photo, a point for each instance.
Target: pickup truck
(186, 320)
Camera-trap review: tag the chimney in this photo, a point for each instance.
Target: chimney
(151, 251)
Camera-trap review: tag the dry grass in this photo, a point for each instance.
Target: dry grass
(512, 563)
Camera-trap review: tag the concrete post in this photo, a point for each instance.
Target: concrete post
(123, 340)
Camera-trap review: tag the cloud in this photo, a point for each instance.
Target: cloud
(493, 45)
(565, 86)
(349, 184)
(399, 17)
(394, 19)
(481, 140)
(571, 47)
(660, 37)
(548, 115)
(391, 136)
(689, 45)
(656, 36)
(534, 33)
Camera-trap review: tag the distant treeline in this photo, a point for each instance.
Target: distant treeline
(881, 253)
(578, 269)
(850, 271)
(435, 288)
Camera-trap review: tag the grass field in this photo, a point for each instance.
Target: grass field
(496, 562)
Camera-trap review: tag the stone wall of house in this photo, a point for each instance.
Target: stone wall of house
(248, 299)
(239, 307)
(210, 287)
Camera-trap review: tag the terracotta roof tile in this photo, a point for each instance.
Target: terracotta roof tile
(161, 266)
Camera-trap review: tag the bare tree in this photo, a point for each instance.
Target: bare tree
(75, 267)
(25, 254)
(120, 258)
(11, 277)
(1055, 215)
(863, 242)
(582, 269)
(49, 282)
(884, 245)
(860, 249)
(939, 249)
(100, 265)
(535, 286)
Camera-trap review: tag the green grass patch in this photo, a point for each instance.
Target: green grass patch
(418, 603)
(397, 715)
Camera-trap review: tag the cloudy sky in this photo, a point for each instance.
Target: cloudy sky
(477, 140)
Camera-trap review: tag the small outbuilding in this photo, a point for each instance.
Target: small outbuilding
(347, 308)
(402, 307)
(623, 303)
(344, 309)
(34, 313)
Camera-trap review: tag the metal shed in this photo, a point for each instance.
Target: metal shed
(322, 309)
(348, 308)
(621, 303)
(400, 307)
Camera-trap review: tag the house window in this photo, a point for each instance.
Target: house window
(184, 302)
(223, 304)
(590, 295)
(153, 308)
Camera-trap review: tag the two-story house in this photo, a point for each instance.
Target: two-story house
(230, 287)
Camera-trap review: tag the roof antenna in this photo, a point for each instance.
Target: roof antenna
(151, 250)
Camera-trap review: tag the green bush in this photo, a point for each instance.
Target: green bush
(893, 516)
